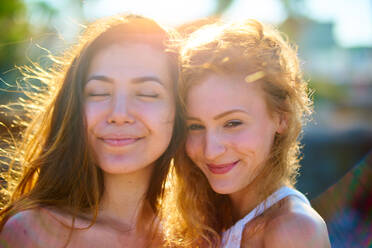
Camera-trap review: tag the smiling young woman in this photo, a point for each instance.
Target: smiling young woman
(245, 103)
(96, 154)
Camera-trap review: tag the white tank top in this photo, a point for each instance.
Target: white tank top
(231, 238)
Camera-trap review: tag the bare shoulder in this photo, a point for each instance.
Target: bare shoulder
(32, 228)
(296, 224)
(17, 231)
(20, 221)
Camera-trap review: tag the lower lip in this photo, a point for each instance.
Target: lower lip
(120, 142)
(222, 169)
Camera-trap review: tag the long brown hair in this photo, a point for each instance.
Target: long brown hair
(196, 214)
(53, 164)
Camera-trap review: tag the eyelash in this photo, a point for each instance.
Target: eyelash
(229, 124)
(194, 127)
(148, 95)
(100, 94)
(232, 123)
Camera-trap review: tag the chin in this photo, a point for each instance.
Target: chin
(121, 168)
(224, 189)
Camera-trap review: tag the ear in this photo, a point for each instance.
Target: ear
(282, 123)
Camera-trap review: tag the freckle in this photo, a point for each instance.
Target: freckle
(25, 232)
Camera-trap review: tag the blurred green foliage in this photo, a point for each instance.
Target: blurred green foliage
(15, 32)
(20, 39)
(222, 6)
(327, 91)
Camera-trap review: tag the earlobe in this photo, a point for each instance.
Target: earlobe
(282, 123)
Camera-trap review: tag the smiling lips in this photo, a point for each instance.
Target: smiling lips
(221, 168)
(119, 142)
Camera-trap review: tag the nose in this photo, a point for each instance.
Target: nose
(214, 146)
(120, 112)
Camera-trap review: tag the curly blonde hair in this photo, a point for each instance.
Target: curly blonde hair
(196, 215)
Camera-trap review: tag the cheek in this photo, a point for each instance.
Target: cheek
(256, 141)
(169, 113)
(93, 112)
(247, 142)
(162, 114)
(194, 151)
(193, 147)
(157, 117)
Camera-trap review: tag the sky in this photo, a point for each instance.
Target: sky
(352, 19)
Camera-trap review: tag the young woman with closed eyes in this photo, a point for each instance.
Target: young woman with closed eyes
(96, 154)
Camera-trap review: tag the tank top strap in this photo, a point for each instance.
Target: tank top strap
(231, 238)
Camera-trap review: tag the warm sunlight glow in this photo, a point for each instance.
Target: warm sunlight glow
(201, 36)
(168, 12)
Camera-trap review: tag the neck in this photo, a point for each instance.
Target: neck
(245, 200)
(124, 198)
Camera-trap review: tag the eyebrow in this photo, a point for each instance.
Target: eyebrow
(221, 115)
(101, 78)
(137, 80)
(145, 79)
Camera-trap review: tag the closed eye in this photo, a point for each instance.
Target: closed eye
(148, 95)
(232, 123)
(99, 94)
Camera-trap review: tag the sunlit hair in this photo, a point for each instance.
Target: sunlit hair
(53, 165)
(260, 54)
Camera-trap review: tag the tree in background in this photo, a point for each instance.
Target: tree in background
(14, 36)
